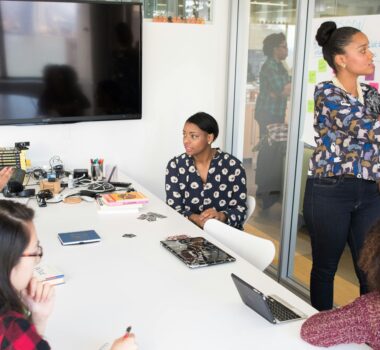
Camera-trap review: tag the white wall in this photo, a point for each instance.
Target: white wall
(184, 71)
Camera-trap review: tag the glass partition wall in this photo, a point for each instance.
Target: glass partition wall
(270, 133)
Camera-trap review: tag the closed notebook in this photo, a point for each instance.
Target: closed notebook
(49, 274)
(124, 198)
(78, 237)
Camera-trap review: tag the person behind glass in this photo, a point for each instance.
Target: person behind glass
(204, 182)
(5, 175)
(359, 321)
(342, 199)
(270, 112)
(25, 303)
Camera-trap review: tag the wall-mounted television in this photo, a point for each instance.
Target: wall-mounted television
(69, 61)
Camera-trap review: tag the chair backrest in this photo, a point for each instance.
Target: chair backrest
(257, 251)
(251, 205)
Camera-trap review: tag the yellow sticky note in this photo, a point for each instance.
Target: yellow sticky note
(312, 77)
(322, 65)
(310, 106)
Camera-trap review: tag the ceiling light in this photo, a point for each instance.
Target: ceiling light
(281, 4)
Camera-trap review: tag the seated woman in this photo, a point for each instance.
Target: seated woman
(204, 182)
(25, 303)
(358, 322)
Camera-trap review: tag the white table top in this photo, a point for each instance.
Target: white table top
(135, 281)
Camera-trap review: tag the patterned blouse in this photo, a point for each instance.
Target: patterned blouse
(358, 322)
(225, 188)
(17, 333)
(348, 133)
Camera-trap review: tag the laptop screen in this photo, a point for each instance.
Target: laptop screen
(253, 298)
(197, 252)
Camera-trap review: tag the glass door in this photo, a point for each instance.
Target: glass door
(272, 28)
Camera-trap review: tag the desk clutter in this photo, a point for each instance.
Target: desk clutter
(56, 184)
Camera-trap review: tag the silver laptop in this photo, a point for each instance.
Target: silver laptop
(271, 307)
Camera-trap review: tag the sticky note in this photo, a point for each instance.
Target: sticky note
(312, 77)
(310, 106)
(322, 65)
(375, 85)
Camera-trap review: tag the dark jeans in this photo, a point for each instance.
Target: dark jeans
(337, 210)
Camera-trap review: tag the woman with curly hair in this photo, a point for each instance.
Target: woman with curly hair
(358, 322)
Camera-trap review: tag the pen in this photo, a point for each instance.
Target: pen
(127, 331)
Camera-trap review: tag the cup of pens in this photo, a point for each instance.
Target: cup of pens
(97, 169)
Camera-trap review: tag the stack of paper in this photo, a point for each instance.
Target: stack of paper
(49, 274)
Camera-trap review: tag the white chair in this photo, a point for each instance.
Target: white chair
(257, 251)
(251, 205)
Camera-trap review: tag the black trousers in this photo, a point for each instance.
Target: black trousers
(337, 210)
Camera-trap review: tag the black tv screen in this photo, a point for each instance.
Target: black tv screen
(68, 61)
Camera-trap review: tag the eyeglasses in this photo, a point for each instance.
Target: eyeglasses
(39, 254)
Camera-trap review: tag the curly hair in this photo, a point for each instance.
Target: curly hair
(271, 42)
(369, 260)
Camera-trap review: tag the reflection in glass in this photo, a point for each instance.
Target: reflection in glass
(65, 59)
(270, 56)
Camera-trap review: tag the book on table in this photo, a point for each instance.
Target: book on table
(105, 208)
(49, 274)
(124, 198)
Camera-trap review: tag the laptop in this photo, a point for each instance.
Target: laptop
(271, 307)
(197, 252)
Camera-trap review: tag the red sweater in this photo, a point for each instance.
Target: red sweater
(358, 322)
(17, 333)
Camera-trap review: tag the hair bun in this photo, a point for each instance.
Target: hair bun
(324, 32)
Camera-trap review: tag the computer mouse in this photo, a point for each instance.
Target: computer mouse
(87, 198)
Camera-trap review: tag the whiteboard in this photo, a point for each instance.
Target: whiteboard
(319, 70)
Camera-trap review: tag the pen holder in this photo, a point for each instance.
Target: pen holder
(97, 172)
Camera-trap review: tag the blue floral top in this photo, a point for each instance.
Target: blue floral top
(348, 133)
(225, 188)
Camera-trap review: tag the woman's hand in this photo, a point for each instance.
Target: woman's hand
(196, 219)
(211, 213)
(5, 175)
(123, 343)
(39, 298)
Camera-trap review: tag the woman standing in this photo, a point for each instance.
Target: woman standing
(270, 115)
(204, 182)
(342, 199)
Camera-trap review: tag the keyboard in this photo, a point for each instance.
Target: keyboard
(120, 184)
(280, 311)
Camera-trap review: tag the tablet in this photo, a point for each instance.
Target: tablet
(197, 252)
(78, 237)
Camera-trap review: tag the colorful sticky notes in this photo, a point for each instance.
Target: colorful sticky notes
(310, 106)
(375, 85)
(312, 77)
(322, 65)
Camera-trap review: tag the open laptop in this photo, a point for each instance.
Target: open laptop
(197, 252)
(271, 307)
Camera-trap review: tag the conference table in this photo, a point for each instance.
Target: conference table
(135, 281)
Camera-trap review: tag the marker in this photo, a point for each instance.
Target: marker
(127, 331)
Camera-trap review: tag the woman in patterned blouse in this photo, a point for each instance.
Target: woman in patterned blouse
(204, 182)
(25, 303)
(358, 322)
(342, 199)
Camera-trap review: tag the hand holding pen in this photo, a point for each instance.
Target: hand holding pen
(126, 342)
